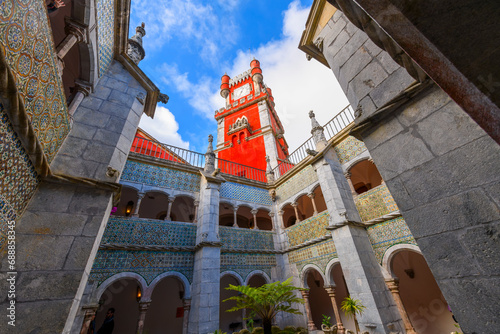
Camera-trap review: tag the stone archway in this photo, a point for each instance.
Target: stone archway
(121, 295)
(229, 321)
(317, 297)
(165, 313)
(421, 297)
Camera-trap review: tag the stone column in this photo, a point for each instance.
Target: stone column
(311, 196)
(140, 196)
(297, 219)
(361, 269)
(185, 321)
(331, 292)
(271, 214)
(235, 210)
(254, 213)
(143, 309)
(351, 186)
(83, 89)
(204, 314)
(243, 316)
(310, 323)
(196, 203)
(75, 33)
(170, 202)
(393, 285)
(280, 215)
(89, 314)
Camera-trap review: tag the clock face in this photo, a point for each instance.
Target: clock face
(241, 91)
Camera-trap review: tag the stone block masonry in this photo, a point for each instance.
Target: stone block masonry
(60, 231)
(439, 165)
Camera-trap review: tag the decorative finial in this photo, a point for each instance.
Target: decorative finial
(317, 132)
(269, 170)
(135, 50)
(210, 156)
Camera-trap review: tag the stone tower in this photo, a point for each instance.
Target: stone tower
(249, 128)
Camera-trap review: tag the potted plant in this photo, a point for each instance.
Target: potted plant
(327, 327)
(351, 307)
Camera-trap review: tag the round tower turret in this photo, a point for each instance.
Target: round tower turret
(256, 71)
(224, 87)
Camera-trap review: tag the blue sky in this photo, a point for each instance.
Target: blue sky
(190, 44)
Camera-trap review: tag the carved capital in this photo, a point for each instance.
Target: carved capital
(311, 195)
(80, 31)
(254, 212)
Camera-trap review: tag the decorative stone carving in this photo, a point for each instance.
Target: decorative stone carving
(210, 156)
(135, 50)
(163, 98)
(239, 124)
(317, 130)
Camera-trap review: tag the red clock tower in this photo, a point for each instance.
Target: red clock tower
(249, 128)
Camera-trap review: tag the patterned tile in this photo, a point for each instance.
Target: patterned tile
(295, 184)
(375, 203)
(243, 192)
(149, 232)
(26, 40)
(245, 263)
(105, 33)
(349, 148)
(160, 176)
(319, 254)
(308, 229)
(245, 239)
(387, 234)
(148, 264)
(18, 178)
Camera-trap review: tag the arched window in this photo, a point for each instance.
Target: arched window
(365, 176)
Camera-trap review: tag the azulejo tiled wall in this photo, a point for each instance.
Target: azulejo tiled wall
(387, 234)
(375, 203)
(236, 238)
(245, 263)
(160, 176)
(295, 184)
(319, 254)
(139, 231)
(311, 228)
(148, 264)
(105, 32)
(243, 192)
(18, 178)
(26, 41)
(349, 148)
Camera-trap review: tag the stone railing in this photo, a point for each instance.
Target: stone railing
(375, 203)
(308, 229)
(238, 239)
(148, 232)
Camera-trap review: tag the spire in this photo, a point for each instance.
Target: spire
(135, 50)
(210, 156)
(269, 170)
(317, 132)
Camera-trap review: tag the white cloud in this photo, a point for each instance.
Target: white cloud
(191, 21)
(298, 85)
(163, 128)
(201, 95)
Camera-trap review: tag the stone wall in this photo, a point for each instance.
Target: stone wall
(59, 233)
(440, 167)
